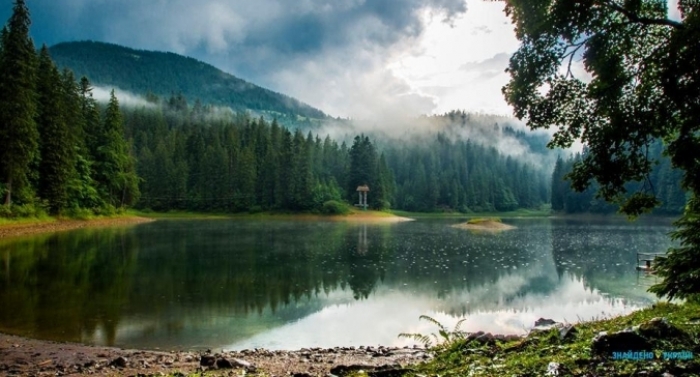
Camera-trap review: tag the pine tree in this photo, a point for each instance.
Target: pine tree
(558, 187)
(56, 142)
(18, 132)
(116, 175)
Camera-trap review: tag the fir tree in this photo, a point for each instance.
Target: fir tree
(18, 131)
(57, 146)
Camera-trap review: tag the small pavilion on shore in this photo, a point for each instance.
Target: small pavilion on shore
(362, 191)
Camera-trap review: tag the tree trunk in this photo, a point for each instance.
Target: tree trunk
(8, 195)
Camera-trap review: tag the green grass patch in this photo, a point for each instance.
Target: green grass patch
(532, 355)
(520, 213)
(481, 220)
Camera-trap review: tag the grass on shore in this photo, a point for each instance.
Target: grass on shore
(534, 213)
(481, 220)
(532, 355)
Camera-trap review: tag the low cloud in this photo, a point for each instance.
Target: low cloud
(103, 95)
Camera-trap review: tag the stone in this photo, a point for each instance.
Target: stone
(487, 339)
(238, 363)
(342, 370)
(544, 322)
(119, 362)
(659, 328)
(566, 332)
(627, 340)
(224, 363)
(554, 369)
(207, 361)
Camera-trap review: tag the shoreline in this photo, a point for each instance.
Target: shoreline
(44, 226)
(26, 356)
(19, 229)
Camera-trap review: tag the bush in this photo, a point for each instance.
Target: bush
(255, 209)
(5, 211)
(106, 210)
(334, 207)
(23, 210)
(79, 213)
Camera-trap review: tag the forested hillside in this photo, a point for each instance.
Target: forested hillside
(163, 74)
(191, 159)
(664, 182)
(66, 154)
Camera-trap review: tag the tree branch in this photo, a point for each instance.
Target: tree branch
(634, 17)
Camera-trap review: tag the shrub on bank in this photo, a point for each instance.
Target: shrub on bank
(14, 211)
(334, 207)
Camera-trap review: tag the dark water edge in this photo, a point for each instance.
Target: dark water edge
(238, 284)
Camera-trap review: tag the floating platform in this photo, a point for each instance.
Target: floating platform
(644, 261)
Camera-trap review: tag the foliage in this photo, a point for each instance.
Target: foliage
(333, 207)
(644, 85)
(446, 336)
(56, 154)
(57, 147)
(479, 220)
(532, 355)
(665, 180)
(15, 211)
(18, 130)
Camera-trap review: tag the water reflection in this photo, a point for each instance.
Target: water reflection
(220, 283)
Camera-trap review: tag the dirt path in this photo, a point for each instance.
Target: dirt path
(29, 357)
(23, 229)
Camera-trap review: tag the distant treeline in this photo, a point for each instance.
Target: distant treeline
(192, 158)
(664, 181)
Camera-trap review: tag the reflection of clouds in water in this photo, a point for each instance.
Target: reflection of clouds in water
(389, 312)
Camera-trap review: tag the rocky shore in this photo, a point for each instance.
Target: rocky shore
(21, 356)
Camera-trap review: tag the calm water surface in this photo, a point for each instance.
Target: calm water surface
(285, 285)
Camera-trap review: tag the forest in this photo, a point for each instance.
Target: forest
(164, 73)
(663, 182)
(66, 154)
(192, 158)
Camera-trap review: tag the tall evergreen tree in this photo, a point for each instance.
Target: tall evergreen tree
(18, 131)
(57, 146)
(116, 177)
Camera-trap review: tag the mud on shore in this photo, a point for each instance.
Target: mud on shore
(21, 356)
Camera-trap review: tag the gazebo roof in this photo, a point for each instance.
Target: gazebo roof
(363, 188)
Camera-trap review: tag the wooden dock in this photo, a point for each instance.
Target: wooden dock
(644, 261)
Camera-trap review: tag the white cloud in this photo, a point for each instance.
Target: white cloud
(102, 94)
(463, 65)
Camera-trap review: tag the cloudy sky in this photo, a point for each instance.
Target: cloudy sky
(350, 58)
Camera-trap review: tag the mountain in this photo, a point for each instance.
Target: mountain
(166, 73)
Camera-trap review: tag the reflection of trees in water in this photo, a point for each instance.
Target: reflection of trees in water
(70, 285)
(603, 253)
(66, 285)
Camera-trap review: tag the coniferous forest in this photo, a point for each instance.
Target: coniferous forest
(65, 153)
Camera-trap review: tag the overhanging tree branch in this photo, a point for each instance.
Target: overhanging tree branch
(634, 17)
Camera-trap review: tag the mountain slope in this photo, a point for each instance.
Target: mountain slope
(165, 73)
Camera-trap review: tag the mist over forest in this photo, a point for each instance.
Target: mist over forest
(198, 139)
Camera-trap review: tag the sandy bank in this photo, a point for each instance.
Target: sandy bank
(488, 226)
(23, 229)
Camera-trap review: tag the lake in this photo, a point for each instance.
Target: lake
(237, 284)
